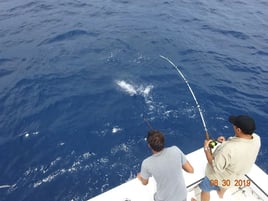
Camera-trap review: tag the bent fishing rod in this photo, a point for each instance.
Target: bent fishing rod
(193, 95)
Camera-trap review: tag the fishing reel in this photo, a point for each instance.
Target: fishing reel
(213, 144)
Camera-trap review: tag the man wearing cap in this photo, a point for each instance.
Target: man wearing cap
(232, 159)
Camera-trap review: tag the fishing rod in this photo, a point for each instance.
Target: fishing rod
(195, 99)
(148, 124)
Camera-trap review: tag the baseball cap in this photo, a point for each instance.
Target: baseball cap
(244, 122)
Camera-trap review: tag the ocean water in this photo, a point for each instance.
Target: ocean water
(79, 79)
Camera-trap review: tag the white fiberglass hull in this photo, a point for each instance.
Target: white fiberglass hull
(133, 190)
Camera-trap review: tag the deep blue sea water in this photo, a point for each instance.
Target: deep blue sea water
(78, 78)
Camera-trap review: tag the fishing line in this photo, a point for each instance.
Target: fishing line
(189, 87)
(4, 186)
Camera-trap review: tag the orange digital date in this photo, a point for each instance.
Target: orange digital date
(242, 182)
(227, 182)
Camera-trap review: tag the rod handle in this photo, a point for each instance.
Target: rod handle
(207, 136)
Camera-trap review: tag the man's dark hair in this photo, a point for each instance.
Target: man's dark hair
(156, 140)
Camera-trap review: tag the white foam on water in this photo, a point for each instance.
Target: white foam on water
(154, 108)
(79, 164)
(120, 148)
(134, 89)
(139, 90)
(27, 134)
(116, 129)
(126, 87)
(87, 155)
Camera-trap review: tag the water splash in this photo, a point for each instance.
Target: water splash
(133, 89)
(116, 129)
(154, 108)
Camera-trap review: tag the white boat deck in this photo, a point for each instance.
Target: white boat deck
(133, 190)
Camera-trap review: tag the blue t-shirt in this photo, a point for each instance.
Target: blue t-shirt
(166, 168)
